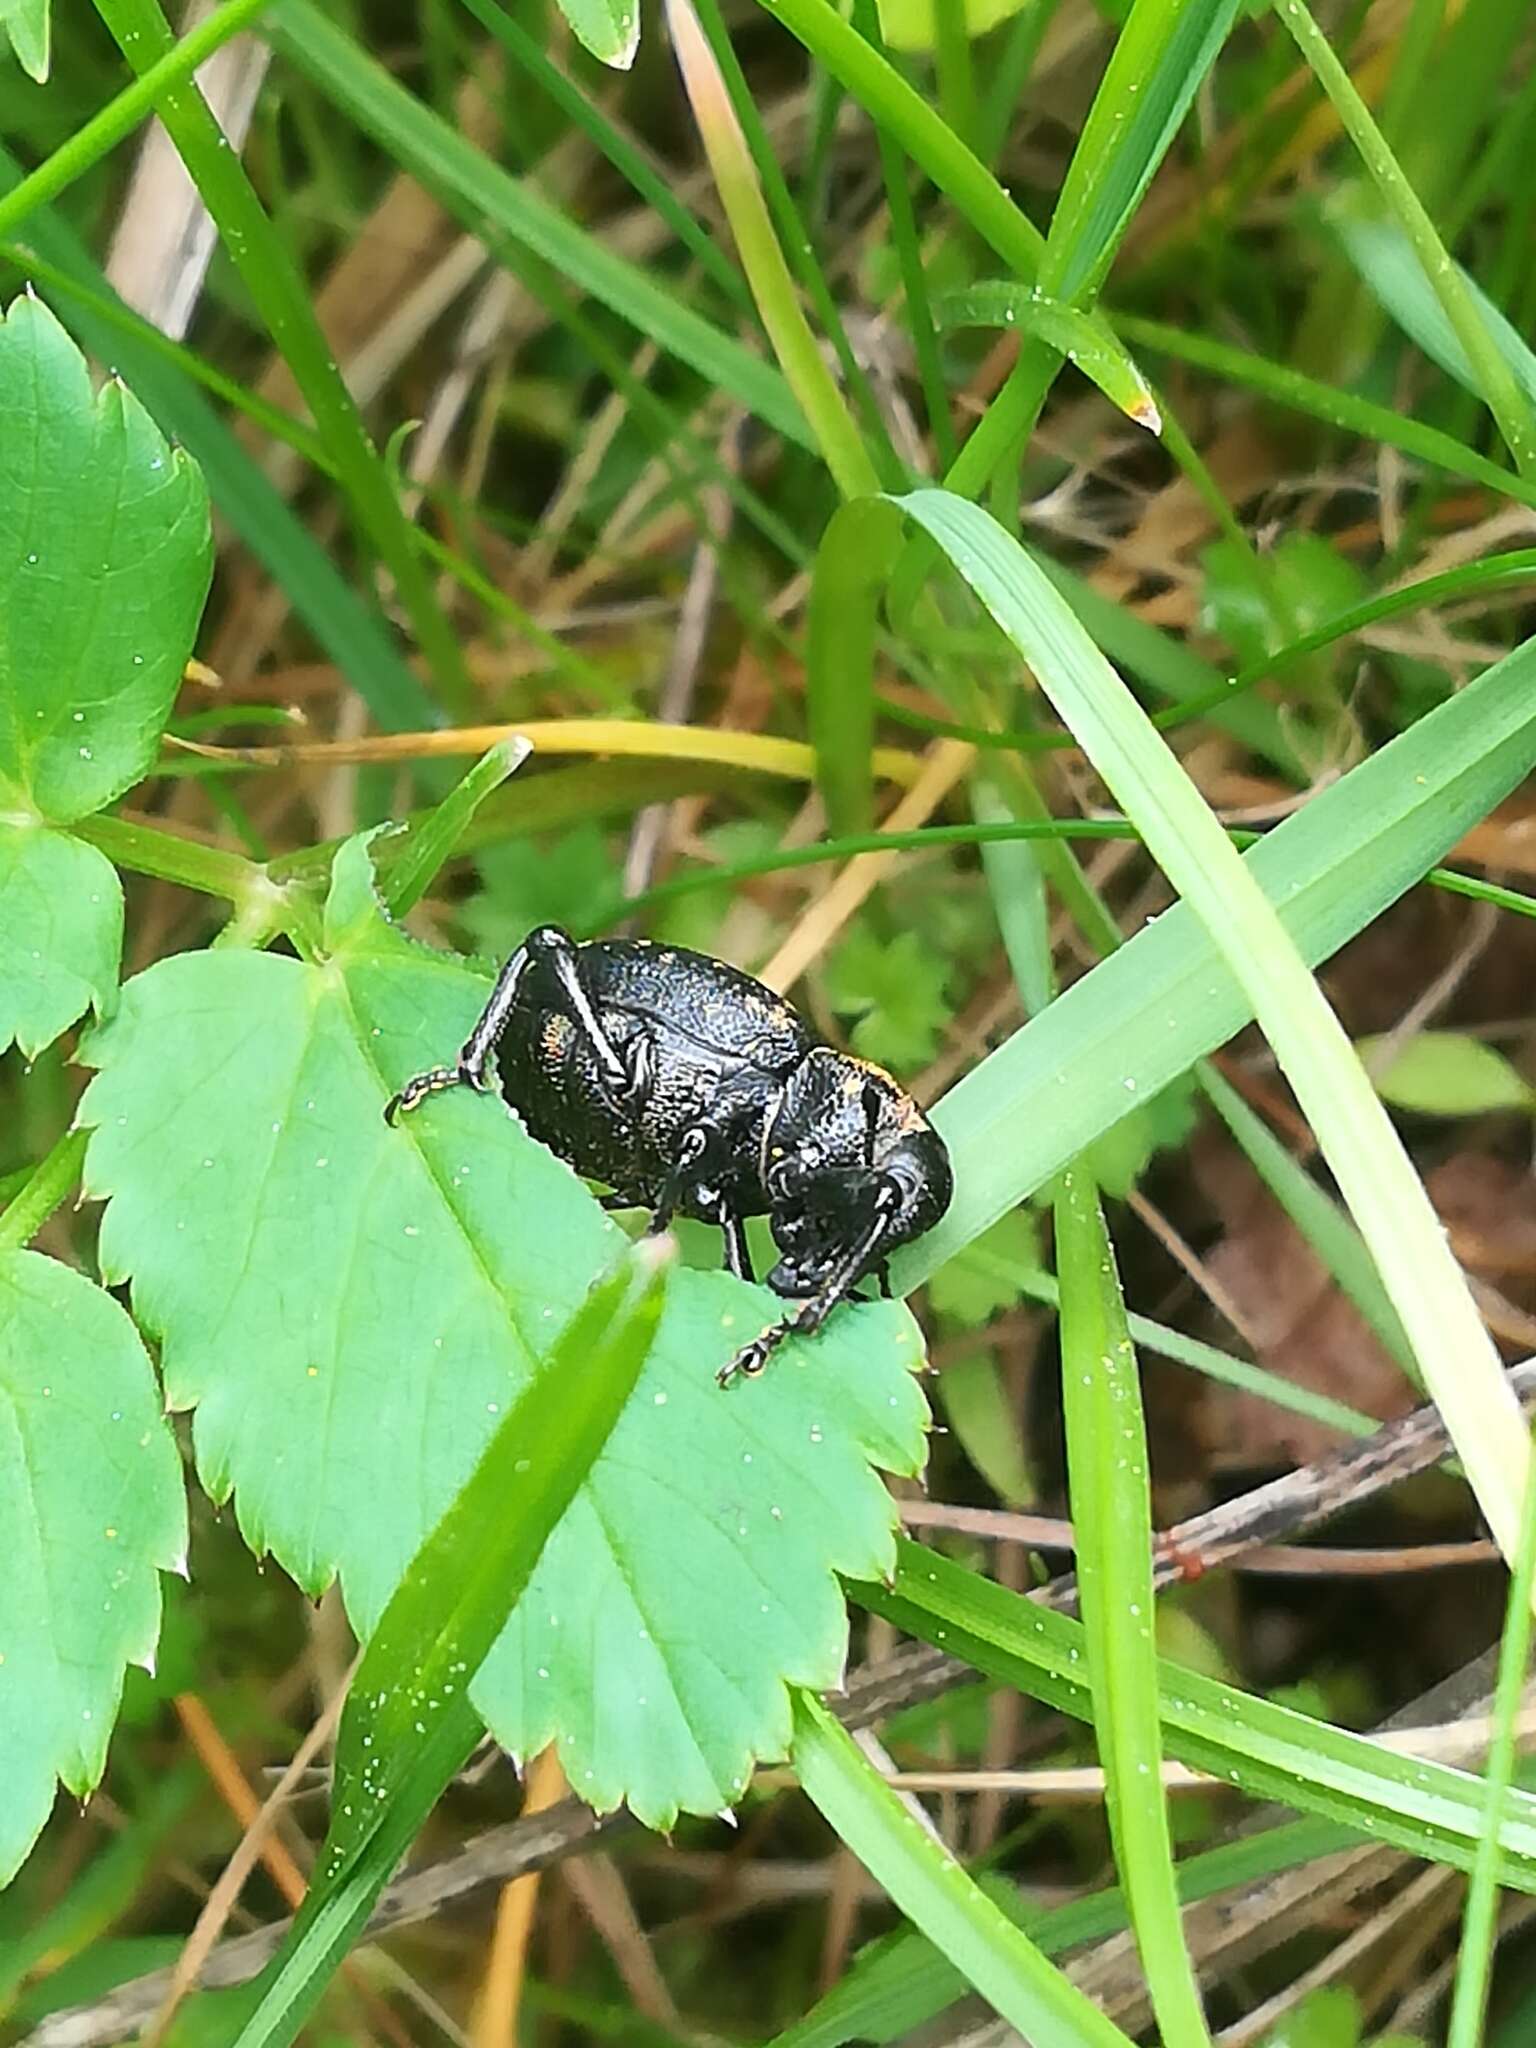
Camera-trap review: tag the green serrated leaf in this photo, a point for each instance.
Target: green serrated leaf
(982, 1278)
(610, 29)
(1118, 1157)
(351, 1308)
(61, 934)
(1309, 581)
(91, 1509)
(105, 555)
(1444, 1073)
(1328, 2017)
(556, 880)
(895, 988)
(26, 24)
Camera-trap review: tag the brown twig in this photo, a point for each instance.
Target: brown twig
(495, 2019)
(1279, 1560)
(254, 1843)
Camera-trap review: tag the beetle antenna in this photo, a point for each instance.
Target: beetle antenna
(845, 1275)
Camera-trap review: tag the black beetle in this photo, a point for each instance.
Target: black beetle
(691, 1089)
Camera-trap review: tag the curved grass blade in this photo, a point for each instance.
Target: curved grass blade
(1112, 1515)
(120, 116)
(1087, 341)
(1385, 258)
(1386, 1197)
(762, 258)
(436, 834)
(1336, 408)
(936, 1893)
(408, 1725)
(1160, 58)
(898, 1983)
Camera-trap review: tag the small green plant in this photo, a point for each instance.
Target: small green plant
(422, 1365)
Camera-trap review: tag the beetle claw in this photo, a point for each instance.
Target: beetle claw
(752, 1358)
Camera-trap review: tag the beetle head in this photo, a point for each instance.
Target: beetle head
(844, 1147)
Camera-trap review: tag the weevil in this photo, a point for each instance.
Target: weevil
(690, 1089)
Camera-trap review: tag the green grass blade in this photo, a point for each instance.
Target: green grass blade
(111, 314)
(1474, 1962)
(1314, 1212)
(630, 162)
(762, 258)
(434, 837)
(482, 196)
(1267, 1751)
(1112, 1516)
(1016, 883)
(1220, 1366)
(1511, 407)
(408, 1725)
(335, 1912)
(897, 1984)
(902, 112)
(907, 243)
(118, 119)
(1427, 1288)
(1088, 343)
(1385, 258)
(795, 238)
(1336, 408)
(852, 564)
(544, 811)
(935, 1893)
(282, 298)
(1040, 1098)
(1160, 58)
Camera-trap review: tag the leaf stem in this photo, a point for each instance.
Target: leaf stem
(147, 850)
(24, 1216)
(255, 892)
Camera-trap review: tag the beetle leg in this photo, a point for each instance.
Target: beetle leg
(553, 946)
(691, 1148)
(476, 1049)
(738, 1256)
(845, 1275)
